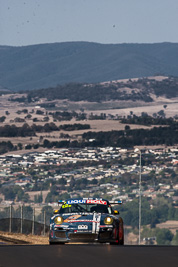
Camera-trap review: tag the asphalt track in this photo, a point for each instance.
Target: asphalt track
(88, 256)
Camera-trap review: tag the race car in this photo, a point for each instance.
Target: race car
(86, 220)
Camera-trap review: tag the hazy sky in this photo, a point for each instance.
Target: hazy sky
(25, 22)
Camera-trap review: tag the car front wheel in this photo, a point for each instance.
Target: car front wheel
(121, 232)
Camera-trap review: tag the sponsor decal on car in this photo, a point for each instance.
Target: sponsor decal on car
(82, 231)
(106, 226)
(94, 201)
(82, 227)
(63, 226)
(71, 221)
(96, 223)
(73, 217)
(66, 206)
(76, 201)
(85, 201)
(79, 213)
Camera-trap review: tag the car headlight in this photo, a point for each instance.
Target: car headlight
(58, 220)
(108, 220)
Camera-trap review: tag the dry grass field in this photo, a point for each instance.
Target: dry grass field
(170, 111)
(96, 126)
(171, 225)
(32, 194)
(120, 108)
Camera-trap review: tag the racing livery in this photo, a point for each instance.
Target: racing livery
(86, 220)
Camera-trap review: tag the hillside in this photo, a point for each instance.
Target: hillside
(145, 89)
(45, 65)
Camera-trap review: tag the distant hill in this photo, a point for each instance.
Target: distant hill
(45, 65)
(136, 89)
(4, 90)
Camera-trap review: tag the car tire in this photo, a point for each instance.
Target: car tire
(116, 242)
(121, 232)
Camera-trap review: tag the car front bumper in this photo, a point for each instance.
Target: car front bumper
(66, 236)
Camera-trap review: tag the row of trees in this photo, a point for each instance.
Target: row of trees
(163, 236)
(14, 193)
(26, 130)
(75, 126)
(129, 138)
(145, 119)
(67, 116)
(162, 211)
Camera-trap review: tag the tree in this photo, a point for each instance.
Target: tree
(62, 181)
(49, 212)
(28, 212)
(175, 239)
(8, 193)
(39, 112)
(127, 127)
(46, 143)
(164, 237)
(15, 192)
(28, 116)
(20, 146)
(144, 114)
(161, 113)
(72, 182)
(28, 146)
(2, 119)
(38, 198)
(64, 196)
(46, 118)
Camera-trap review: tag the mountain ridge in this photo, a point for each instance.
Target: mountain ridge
(44, 65)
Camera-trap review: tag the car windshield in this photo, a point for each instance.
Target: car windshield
(71, 208)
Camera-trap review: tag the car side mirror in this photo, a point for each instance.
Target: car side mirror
(116, 212)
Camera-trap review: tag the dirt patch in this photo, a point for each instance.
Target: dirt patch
(131, 239)
(32, 194)
(171, 225)
(14, 238)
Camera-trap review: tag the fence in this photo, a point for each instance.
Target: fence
(25, 219)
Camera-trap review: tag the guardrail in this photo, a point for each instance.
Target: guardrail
(24, 219)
